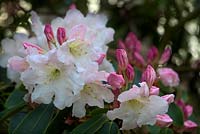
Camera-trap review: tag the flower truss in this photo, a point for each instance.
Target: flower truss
(65, 64)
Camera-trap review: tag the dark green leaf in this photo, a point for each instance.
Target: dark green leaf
(15, 98)
(11, 111)
(57, 125)
(98, 111)
(154, 129)
(91, 126)
(166, 131)
(36, 121)
(15, 120)
(109, 128)
(176, 114)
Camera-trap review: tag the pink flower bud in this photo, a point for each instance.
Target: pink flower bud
(130, 73)
(61, 35)
(49, 34)
(152, 54)
(188, 109)
(72, 6)
(168, 77)
(169, 98)
(149, 75)
(165, 55)
(139, 60)
(122, 59)
(132, 43)
(154, 90)
(180, 103)
(17, 64)
(121, 44)
(189, 125)
(31, 47)
(101, 58)
(115, 80)
(163, 120)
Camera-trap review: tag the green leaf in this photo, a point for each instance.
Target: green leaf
(57, 125)
(98, 111)
(15, 98)
(11, 111)
(166, 131)
(109, 128)
(91, 126)
(15, 120)
(154, 129)
(36, 121)
(176, 114)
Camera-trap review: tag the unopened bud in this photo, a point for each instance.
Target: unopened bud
(121, 44)
(169, 98)
(188, 109)
(101, 58)
(152, 54)
(154, 90)
(165, 55)
(115, 80)
(132, 43)
(163, 120)
(32, 48)
(139, 60)
(130, 73)
(72, 6)
(189, 125)
(61, 35)
(49, 34)
(149, 75)
(122, 59)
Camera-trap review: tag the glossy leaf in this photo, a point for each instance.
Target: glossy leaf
(91, 126)
(36, 121)
(176, 114)
(109, 128)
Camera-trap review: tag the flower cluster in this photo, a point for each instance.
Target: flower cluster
(65, 63)
(62, 62)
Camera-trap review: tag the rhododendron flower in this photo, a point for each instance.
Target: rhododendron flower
(49, 78)
(94, 93)
(138, 108)
(168, 77)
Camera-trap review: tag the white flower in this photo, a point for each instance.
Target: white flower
(137, 108)
(49, 78)
(93, 93)
(13, 47)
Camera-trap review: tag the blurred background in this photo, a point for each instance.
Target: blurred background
(155, 22)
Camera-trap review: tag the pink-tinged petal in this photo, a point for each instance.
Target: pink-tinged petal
(61, 35)
(188, 109)
(134, 92)
(101, 58)
(130, 73)
(121, 44)
(154, 90)
(77, 32)
(152, 54)
(165, 55)
(149, 75)
(122, 59)
(132, 43)
(168, 77)
(17, 64)
(29, 47)
(116, 80)
(189, 125)
(72, 6)
(163, 120)
(169, 98)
